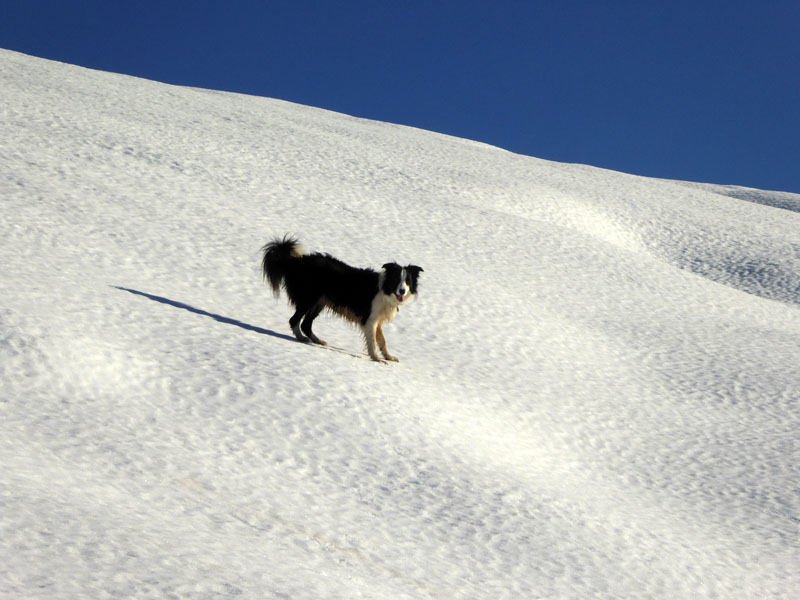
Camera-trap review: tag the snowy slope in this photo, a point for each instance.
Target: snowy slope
(597, 395)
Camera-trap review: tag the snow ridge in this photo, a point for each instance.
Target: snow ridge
(597, 399)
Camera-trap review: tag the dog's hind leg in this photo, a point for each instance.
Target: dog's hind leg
(294, 322)
(308, 320)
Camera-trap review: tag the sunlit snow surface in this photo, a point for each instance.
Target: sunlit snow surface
(597, 394)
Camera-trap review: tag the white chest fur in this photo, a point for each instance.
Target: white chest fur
(384, 308)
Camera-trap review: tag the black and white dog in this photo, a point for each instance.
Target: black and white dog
(317, 281)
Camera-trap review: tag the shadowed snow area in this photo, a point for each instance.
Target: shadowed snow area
(597, 394)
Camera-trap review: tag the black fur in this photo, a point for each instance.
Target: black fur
(317, 281)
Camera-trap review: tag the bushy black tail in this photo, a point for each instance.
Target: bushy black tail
(277, 254)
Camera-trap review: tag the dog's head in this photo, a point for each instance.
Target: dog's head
(400, 282)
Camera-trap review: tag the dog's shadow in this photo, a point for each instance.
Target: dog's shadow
(197, 311)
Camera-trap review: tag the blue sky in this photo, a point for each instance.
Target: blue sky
(701, 90)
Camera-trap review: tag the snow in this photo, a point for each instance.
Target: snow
(597, 394)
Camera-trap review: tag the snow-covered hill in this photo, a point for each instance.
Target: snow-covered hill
(597, 395)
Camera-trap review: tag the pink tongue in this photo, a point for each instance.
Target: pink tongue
(400, 298)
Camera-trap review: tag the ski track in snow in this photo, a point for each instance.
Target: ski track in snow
(597, 394)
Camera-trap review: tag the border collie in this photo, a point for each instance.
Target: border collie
(317, 281)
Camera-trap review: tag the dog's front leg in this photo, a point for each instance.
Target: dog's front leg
(370, 330)
(382, 343)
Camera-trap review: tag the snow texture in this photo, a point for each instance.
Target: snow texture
(597, 394)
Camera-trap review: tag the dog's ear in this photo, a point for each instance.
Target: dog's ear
(390, 265)
(414, 269)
